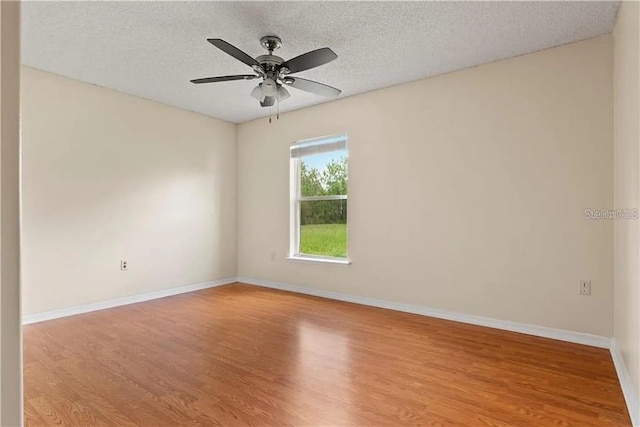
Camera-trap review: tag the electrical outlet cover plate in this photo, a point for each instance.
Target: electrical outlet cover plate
(585, 287)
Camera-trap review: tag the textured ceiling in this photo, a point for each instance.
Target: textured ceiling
(153, 49)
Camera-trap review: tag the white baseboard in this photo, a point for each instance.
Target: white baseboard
(86, 308)
(629, 391)
(524, 328)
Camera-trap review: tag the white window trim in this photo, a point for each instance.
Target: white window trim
(294, 214)
(320, 259)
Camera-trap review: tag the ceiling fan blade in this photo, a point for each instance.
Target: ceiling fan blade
(268, 101)
(309, 60)
(313, 87)
(224, 78)
(235, 52)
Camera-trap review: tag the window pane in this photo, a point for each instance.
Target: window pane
(324, 174)
(323, 228)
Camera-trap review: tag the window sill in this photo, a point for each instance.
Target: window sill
(338, 261)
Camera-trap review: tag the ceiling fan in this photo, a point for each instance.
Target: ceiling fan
(275, 71)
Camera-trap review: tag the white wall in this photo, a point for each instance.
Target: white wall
(627, 186)
(467, 190)
(108, 176)
(11, 330)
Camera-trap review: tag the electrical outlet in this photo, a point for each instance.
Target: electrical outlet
(585, 287)
(123, 265)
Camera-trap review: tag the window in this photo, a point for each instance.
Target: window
(319, 199)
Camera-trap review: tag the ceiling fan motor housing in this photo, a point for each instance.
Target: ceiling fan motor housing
(269, 62)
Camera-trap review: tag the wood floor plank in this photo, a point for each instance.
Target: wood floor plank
(244, 355)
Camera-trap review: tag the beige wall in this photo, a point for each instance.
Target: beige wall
(627, 185)
(10, 334)
(466, 191)
(107, 176)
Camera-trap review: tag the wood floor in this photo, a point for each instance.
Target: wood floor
(243, 355)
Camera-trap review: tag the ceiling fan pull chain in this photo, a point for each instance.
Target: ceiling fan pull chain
(269, 115)
(277, 107)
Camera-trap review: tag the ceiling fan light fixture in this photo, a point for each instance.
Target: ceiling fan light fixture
(269, 87)
(282, 93)
(257, 93)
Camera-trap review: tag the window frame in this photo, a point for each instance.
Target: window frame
(295, 203)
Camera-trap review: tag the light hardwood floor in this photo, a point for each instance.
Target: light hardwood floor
(243, 355)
